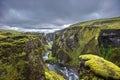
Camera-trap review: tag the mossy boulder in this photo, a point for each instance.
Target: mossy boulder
(51, 75)
(100, 66)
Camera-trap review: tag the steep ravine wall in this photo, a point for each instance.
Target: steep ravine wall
(83, 38)
(21, 57)
(75, 41)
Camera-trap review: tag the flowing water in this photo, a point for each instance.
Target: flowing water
(69, 73)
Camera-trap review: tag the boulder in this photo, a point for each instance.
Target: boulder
(100, 66)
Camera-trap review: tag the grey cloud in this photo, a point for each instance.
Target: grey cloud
(35, 14)
(1, 7)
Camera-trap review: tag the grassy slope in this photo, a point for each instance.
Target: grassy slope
(109, 23)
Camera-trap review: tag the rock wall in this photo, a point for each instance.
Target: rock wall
(83, 38)
(21, 56)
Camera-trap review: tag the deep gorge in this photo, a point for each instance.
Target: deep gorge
(83, 51)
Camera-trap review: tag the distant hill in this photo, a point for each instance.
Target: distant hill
(103, 23)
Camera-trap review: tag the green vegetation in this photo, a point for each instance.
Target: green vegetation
(12, 71)
(108, 23)
(21, 57)
(18, 55)
(105, 51)
(47, 47)
(51, 75)
(21, 53)
(101, 66)
(51, 58)
(82, 38)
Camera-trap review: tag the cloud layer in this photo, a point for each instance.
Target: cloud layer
(37, 14)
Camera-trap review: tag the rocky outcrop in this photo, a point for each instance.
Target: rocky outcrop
(51, 75)
(21, 56)
(97, 67)
(109, 38)
(36, 68)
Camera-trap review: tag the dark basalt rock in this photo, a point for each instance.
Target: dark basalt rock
(110, 38)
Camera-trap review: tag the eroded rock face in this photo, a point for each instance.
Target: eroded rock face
(35, 68)
(21, 56)
(89, 37)
(97, 67)
(75, 41)
(110, 38)
(109, 44)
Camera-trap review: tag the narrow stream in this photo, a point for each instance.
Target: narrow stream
(69, 73)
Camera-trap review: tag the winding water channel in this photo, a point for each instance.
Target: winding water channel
(69, 72)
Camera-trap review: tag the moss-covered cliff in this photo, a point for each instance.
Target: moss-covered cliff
(21, 53)
(21, 56)
(82, 38)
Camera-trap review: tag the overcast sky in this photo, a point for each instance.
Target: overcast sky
(31, 15)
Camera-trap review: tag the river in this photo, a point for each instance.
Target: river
(69, 72)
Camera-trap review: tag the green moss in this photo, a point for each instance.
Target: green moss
(110, 22)
(9, 32)
(10, 71)
(115, 56)
(51, 75)
(51, 58)
(85, 40)
(101, 66)
(47, 47)
(21, 56)
(2, 37)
